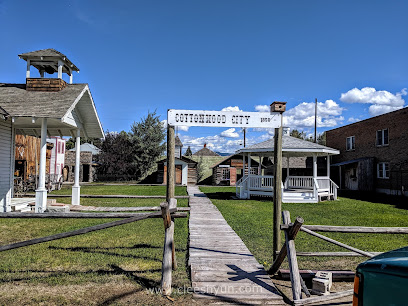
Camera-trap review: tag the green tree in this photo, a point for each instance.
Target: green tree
(297, 134)
(115, 160)
(70, 143)
(147, 140)
(321, 139)
(188, 152)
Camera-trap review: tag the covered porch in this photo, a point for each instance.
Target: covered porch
(295, 189)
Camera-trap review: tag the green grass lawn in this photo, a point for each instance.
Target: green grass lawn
(253, 222)
(98, 189)
(111, 266)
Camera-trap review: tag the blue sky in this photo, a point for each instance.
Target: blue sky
(140, 56)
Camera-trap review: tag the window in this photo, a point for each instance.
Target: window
(383, 170)
(225, 174)
(254, 171)
(350, 143)
(382, 137)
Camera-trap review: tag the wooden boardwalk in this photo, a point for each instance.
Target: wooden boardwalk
(222, 267)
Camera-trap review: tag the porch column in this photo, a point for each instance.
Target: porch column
(249, 164)
(314, 166)
(28, 69)
(287, 168)
(76, 193)
(328, 165)
(41, 192)
(60, 64)
(259, 165)
(243, 164)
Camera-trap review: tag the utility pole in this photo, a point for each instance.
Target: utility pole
(315, 127)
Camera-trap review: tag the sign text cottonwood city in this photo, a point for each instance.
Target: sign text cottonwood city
(223, 119)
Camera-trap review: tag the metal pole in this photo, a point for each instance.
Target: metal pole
(315, 127)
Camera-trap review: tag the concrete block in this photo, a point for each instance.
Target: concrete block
(320, 286)
(58, 208)
(325, 275)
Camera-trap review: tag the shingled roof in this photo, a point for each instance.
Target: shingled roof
(61, 107)
(205, 152)
(178, 142)
(291, 146)
(18, 102)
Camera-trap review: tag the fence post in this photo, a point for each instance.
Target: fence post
(293, 265)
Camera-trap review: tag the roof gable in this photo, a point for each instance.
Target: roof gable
(290, 144)
(205, 152)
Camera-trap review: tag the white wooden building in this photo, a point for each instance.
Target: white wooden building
(44, 107)
(295, 189)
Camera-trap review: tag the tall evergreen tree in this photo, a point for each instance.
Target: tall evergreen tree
(147, 140)
(188, 152)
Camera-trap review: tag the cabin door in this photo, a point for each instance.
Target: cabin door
(178, 175)
(351, 179)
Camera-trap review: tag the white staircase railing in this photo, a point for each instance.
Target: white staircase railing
(241, 189)
(333, 189)
(315, 189)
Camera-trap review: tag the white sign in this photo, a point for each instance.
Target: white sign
(177, 117)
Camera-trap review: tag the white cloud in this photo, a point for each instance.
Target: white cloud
(231, 109)
(352, 119)
(229, 133)
(382, 101)
(178, 128)
(262, 108)
(303, 115)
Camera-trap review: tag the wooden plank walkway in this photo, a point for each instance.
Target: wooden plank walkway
(222, 267)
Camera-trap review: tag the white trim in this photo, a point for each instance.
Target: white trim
(382, 165)
(86, 89)
(263, 150)
(353, 143)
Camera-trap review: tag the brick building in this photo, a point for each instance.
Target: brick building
(373, 154)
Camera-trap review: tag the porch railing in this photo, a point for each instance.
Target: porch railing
(304, 182)
(320, 186)
(261, 182)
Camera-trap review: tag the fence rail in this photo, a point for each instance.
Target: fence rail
(288, 250)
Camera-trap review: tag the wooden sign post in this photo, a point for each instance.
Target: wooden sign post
(277, 179)
(239, 119)
(171, 169)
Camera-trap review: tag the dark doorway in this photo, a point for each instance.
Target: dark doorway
(85, 173)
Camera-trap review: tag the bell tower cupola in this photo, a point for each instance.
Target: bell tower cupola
(49, 61)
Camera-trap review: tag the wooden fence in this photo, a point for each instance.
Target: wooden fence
(168, 213)
(288, 250)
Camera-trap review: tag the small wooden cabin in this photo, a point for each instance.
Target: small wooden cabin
(186, 171)
(229, 171)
